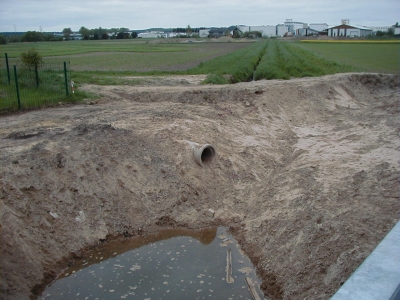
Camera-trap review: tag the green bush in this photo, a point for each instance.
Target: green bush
(215, 79)
(31, 58)
(3, 40)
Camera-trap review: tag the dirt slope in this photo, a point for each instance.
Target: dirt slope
(306, 176)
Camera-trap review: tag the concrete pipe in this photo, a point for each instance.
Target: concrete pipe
(203, 154)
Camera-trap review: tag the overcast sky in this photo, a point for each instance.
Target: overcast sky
(54, 15)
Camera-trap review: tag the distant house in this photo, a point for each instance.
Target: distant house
(216, 32)
(72, 36)
(152, 35)
(203, 33)
(396, 30)
(348, 30)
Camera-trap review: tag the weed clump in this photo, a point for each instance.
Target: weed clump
(215, 79)
(31, 58)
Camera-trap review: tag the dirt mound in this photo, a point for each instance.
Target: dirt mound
(306, 176)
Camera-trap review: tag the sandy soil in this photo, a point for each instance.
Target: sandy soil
(306, 176)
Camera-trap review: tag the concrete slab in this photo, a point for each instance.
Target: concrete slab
(378, 277)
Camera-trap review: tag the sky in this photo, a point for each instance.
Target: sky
(55, 15)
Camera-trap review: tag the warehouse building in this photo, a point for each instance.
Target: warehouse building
(348, 31)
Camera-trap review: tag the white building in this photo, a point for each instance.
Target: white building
(293, 26)
(307, 32)
(243, 28)
(348, 30)
(266, 30)
(203, 33)
(153, 35)
(380, 28)
(281, 30)
(318, 26)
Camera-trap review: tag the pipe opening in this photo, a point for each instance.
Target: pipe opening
(207, 155)
(204, 154)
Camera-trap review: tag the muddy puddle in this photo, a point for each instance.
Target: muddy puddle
(173, 264)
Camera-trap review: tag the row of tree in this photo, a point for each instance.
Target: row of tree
(101, 33)
(187, 30)
(68, 34)
(88, 34)
(30, 36)
(381, 33)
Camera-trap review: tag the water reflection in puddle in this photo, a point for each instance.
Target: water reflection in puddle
(174, 264)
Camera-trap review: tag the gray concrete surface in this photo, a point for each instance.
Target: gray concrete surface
(378, 277)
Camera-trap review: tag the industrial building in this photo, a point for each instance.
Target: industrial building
(348, 31)
(266, 31)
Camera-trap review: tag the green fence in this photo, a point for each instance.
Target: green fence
(23, 88)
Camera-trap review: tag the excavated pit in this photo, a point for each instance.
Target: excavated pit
(172, 264)
(306, 177)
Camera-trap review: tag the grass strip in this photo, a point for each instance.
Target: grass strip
(234, 67)
(284, 61)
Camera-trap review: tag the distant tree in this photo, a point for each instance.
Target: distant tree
(188, 30)
(134, 34)
(31, 58)
(113, 30)
(390, 32)
(179, 30)
(48, 36)
(67, 33)
(105, 36)
(253, 34)
(237, 33)
(120, 35)
(14, 39)
(123, 29)
(97, 32)
(32, 36)
(3, 40)
(84, 32)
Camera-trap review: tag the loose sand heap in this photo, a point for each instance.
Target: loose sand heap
(306, 176)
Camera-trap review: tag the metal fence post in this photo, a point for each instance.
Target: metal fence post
(66, 78)
(16, 85)
(37, 76)
(8, 70)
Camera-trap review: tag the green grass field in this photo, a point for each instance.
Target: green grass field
(142, 56)
(135, 55)
(285, 61)
(109, 62)
(48, 49)
(364, 57)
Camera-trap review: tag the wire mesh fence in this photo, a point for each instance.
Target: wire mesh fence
(24, 87)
